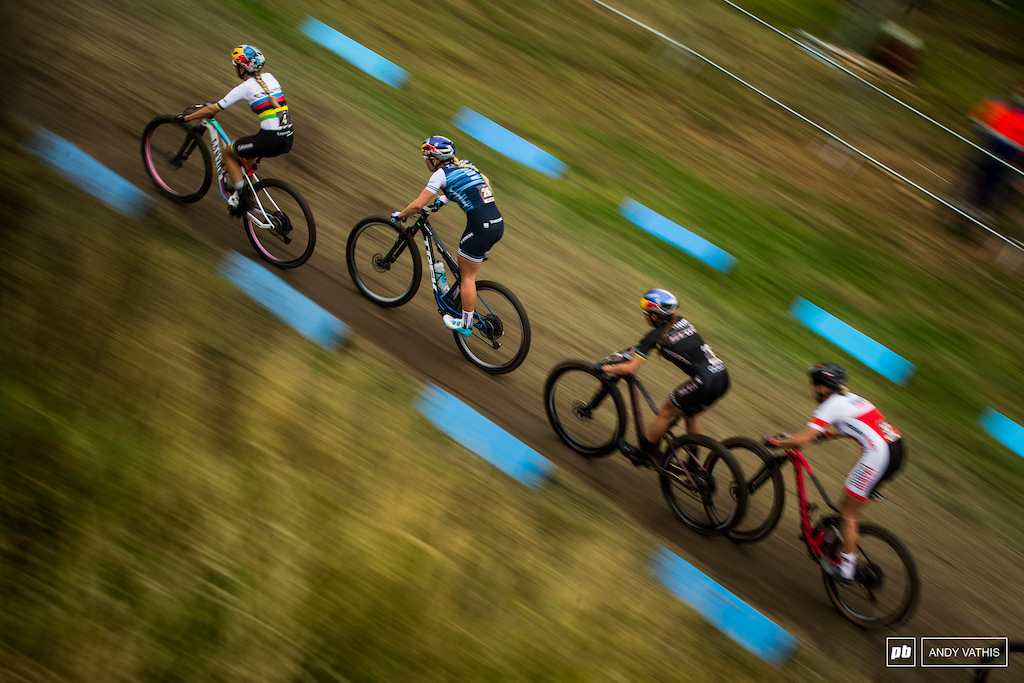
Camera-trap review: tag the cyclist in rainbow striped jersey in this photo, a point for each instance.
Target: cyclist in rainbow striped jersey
(843, 413)
(266, 99)
(462, 182)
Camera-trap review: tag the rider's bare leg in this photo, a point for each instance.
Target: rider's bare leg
(234, 169)
(665, 417)
(849, 511)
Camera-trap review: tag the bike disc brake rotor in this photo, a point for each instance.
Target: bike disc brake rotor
(175, 161)
(282, 224)
(493, 329)
(871, 577)
(582, 411)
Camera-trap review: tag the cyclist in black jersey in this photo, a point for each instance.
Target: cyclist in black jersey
(461, 182)
(678, 341)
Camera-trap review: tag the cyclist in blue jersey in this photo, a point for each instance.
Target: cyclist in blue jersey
(266, 99)
(461, 182)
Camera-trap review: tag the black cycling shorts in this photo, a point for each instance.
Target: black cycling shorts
(484, 227)
(266, 143)
(699, 393)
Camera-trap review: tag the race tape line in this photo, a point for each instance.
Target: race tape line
(1005, 430)
(89, 174)
(725, 611)
(295, 309)
(483, 437)
(865, 349)
(359, 55)
(508, 143)
(675, 234)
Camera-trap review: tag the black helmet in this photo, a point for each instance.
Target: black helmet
(829, 375)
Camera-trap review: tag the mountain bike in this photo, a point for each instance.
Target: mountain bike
(386, 267)
(886, 587)
(701, 481)
(280, 226)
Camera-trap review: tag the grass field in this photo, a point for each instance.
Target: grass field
(167, 511)
(191, 493)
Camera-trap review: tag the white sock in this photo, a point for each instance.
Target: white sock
(848, 564)
(239, 184)
(467, 319)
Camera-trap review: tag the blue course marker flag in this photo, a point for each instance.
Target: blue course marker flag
(725, 611)
(880, 359)
(483, 437)
(663, 228)
(360, 56)
(508, 143)
(1008, 432)
(89, 174)
(307, 317)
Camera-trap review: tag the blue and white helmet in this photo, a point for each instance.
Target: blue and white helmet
(438, 147)
(248, 58)
(658, 302)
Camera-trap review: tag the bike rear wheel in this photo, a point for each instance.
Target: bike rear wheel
(280, 225)
(177, 160)
(708, 497)
(501, 330)
(383, 261)
(886, 586)
(765, 487)
(586, 412)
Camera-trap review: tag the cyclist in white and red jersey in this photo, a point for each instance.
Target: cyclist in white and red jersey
(266, 99)
(843, 413)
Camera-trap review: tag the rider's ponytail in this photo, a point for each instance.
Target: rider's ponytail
(259, 79)
(666, 328)
(465, 164)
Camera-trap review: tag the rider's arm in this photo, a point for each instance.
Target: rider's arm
(801, 438)
(627, 368)
(417, 204)
(206, 112)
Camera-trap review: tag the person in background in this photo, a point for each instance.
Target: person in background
(1001, 123)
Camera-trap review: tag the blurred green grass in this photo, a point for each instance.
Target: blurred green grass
(189, 491)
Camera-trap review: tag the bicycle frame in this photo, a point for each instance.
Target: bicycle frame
(814, 541)
(430, 240)
(217, 134)
(637, 388)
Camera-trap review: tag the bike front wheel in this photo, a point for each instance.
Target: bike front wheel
(280, 225)
(383, 261)
(586, 411)
(765, 488)
(501, 330)
(885, 588)
(176, 159)
(703, 484)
